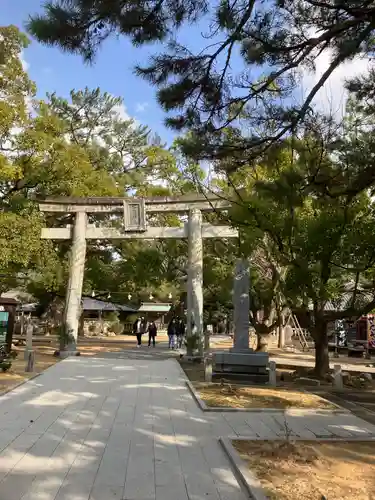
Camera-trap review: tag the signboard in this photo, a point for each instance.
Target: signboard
(4, 316)
(134, 215)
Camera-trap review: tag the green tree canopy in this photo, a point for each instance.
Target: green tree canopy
(318, 248)
(82, 146)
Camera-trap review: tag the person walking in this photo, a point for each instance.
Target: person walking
(180, 332)
(152, 332)
(172, 331)
(139, 328)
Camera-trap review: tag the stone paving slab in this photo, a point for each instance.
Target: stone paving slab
(109, 428)
(126, 428)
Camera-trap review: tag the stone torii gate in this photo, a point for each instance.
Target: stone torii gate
(135, 211)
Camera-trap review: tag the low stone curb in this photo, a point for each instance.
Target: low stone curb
(357, 409)
(222, 409)
(250, 482)
(202, 405)
(248, 479)
(183, 374)
(10, 389)
(293, 438)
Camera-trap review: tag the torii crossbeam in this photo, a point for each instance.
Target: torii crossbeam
(135, 226)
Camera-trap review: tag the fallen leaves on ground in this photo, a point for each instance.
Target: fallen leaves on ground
(334, 470)
(228, 395)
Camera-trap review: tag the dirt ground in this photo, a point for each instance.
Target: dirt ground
(228, 343)
(312, 470)
(193, 371)
(44, 358)
(309, 356)
(229, 396)
(240, 396)
(285, 377)
(301, 355)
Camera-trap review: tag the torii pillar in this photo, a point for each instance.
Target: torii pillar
(74, 291)
(195, 278)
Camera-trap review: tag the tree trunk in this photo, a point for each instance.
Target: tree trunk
(206, 340)
(280, 330)
(262, 342)
(81, 326)
(321, 350)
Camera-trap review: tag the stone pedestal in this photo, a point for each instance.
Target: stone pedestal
(288, 334)
(29, 340)
(208, 369)
(30, 361)
(337, 378)
(272, 374)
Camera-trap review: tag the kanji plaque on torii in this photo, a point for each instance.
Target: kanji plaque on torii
(135, 211)
(134, 215)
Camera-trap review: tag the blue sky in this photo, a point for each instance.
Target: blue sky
(53, 70)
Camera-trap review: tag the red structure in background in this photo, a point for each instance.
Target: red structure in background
(361, 334)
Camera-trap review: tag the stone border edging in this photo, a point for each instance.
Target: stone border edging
(10, 389)
(354, 439)
(247, 478)
(351, 404)
(204, 407)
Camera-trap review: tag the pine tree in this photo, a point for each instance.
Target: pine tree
(276, 39)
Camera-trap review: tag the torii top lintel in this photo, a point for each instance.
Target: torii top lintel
(153, 205)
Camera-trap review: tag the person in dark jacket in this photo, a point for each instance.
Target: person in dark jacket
(152, 332)
(180, 332)
(172, 332)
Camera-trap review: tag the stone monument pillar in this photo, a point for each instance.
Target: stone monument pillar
(241, 362)
(195, 277)
(241, 305)
(74, 290)
(29, 339)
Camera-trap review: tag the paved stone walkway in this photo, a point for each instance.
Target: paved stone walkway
(127, 428)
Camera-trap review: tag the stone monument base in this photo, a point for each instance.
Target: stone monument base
(248, 350)
(243, 364)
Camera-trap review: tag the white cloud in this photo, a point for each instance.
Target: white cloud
(158, 182)
(121, 110)
(25, 64)
(141, 106)
(25, 67)
(332, 97)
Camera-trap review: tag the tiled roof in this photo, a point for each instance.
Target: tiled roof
(89, 304)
